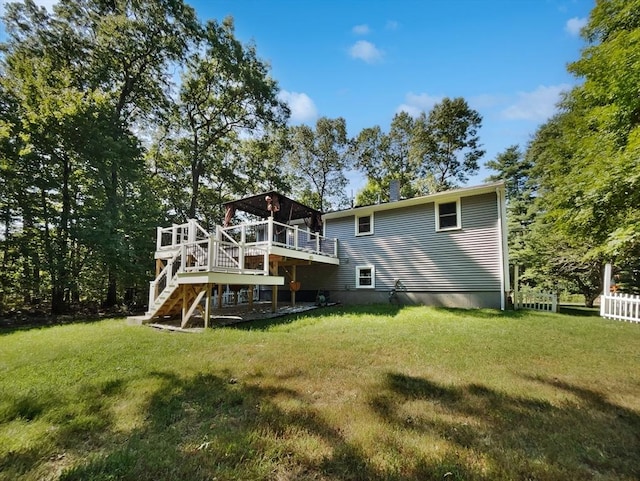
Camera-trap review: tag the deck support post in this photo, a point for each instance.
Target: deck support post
(219, 296)
(207, 306)
(274, 289)
(293, 280)
(185, 305)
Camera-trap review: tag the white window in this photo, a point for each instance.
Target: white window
(448, 215)
(365, 277)
(364, 224)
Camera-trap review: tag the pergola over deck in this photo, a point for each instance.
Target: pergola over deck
(273, 204)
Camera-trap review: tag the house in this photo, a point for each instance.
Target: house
(445, 249)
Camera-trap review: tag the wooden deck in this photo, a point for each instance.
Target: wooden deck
(190, 263)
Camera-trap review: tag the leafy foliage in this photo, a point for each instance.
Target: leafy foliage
(585, 161)
(318, 159)
(83, 88)
(446, 143)
(384, 157)
(431, 153)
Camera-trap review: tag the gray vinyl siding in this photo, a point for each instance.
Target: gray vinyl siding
(406, 246)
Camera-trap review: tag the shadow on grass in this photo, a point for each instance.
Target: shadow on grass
(586, 437)
(219, 427)
(216, 427)
(9, 325)
(337, 310)
(388, 310)
(572, 310)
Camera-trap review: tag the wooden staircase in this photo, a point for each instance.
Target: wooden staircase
(190, 251)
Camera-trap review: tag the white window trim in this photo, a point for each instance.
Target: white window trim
(373, 277)
(358, 217)
(458, 225)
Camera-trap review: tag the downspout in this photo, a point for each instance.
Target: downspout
(504, 246)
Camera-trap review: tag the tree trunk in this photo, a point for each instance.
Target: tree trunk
(112, 291)
(112, 261)
(5, 256)
(58, 305)
(589, 298)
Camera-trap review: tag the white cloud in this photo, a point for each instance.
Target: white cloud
(361, 29)
(415, 104)
(537, 105)
(366, 51)
(574, 25)
(302, 107)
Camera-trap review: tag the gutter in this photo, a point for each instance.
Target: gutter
(504, 246)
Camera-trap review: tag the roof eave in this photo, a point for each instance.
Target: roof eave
(425, 199)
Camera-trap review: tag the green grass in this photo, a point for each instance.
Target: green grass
(368, 393)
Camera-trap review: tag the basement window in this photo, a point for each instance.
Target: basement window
(448, 215)
(365, 277)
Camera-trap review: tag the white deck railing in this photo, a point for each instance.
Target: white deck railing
(258, 234)
(624, 307)
(272, 233)
(169, 238)
(221, 256)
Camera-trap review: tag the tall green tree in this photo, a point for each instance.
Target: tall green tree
(384, 157)
(86, 77)
(446, 144)
(586, 160)
(607, 156)
(226, 92)
(319, 159)
(514, 168)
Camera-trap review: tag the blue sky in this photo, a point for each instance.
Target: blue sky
(367, 60)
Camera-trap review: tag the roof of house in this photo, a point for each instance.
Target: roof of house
(447, 195)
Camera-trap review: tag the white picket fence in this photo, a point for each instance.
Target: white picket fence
(530, 298)
(623, 307)
(536, 300)
(615, 305)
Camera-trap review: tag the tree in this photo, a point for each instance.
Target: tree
(446, 144)
(84, 78)
(586, 159)
(225, 92)
(385, 157)
(514, 168)
(605, 132)
(318, 160)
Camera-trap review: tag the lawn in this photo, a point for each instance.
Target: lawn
(367, 393)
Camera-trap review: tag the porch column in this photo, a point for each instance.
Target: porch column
(606, 289)
(219, 296)
(185, 303)
(516, 287)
